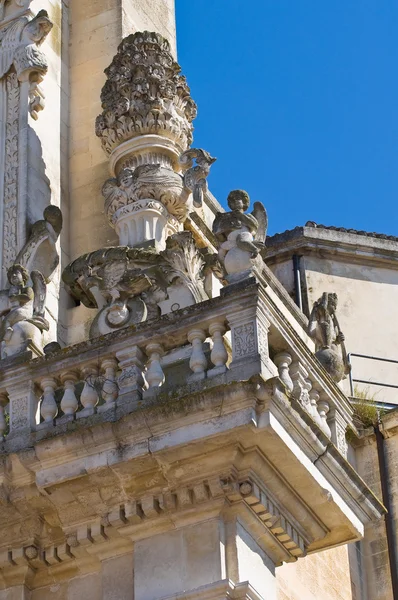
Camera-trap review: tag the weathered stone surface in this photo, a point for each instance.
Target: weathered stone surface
(324, 328)
(241, 235)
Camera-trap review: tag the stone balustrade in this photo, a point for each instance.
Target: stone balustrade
(216, 342)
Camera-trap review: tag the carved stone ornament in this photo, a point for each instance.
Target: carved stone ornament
(22, 306)
(324, 328)
(18, 4)
(129, 285)
(20, 43)
(195, 176)
(20, 53)
(23, 317)
(143, 183)
(241, 235)
(145, 94)
(40, 251)
(149, 201)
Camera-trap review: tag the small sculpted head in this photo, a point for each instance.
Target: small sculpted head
(238, 200)
(332, 302)
(17, 275)
(125, 178)
(39, 27)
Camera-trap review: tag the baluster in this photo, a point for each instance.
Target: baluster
(3, 403)
(69, 403)
(110, 390)
(154, 374)
(89, 396)
(49, 409)
(323, 409)
(219, 354)
(299, 377)
(314, 399)
(198, 361)
(307, 390)
(283, 360)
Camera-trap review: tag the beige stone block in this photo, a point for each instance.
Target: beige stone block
(180, 560)
(57, 591)
(89, 588)
(117, 578)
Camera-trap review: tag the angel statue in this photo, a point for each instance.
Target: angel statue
(241, 235)
(23, 319)
(324, 328)
(195, 177)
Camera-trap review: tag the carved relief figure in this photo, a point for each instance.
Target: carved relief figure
(146, 182)
(195, 176)
(40, 252)
(19, 46)
(241, 235)
(23, 319)
(324, 328)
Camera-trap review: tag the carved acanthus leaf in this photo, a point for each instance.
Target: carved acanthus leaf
(185, 263)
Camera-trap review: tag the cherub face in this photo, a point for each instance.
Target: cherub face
(125, 178)
(16, 277)
(238, 200)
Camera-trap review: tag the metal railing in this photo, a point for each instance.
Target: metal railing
(369, 381)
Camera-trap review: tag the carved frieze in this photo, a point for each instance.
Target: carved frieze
(21, 63)
(10, 243)
(147, 182)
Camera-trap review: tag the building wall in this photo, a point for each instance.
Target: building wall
(323, 576)
(374, 545)
(368, 296)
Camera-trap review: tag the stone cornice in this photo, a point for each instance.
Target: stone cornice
(341, 245)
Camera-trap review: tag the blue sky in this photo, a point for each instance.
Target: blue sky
(298, 100)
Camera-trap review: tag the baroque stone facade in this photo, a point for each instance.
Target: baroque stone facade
(166, 410)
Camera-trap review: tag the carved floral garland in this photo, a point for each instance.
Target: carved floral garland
(11, 171)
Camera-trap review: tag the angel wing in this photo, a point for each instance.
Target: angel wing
(112, 192)
(260, 214)
(40, 293)
(112, 273)
(9, 42)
